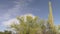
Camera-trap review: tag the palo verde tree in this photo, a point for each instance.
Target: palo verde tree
(27, 25)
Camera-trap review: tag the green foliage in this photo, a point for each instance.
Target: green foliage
(34, 25)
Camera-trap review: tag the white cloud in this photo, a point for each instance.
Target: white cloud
(9, 22)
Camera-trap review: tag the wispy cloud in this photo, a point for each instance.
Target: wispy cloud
(17, 9)
(10, 11)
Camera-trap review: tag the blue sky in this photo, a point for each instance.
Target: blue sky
(9, 9)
